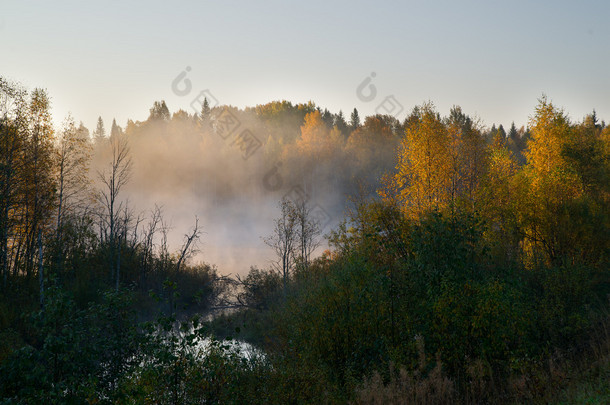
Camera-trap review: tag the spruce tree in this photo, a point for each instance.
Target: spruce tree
(354, 120)
(99, 133)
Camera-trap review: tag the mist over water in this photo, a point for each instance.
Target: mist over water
(189, 170)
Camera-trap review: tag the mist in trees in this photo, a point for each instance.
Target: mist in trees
(430, 260)
(301, 152)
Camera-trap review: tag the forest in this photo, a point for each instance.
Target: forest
(431, 260)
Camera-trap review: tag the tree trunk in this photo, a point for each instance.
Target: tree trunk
(40, 270)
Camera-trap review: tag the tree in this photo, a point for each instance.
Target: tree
(328, 118)
(373, 146)
(441, 162)
(585, 154)
(100, 133)
(39, 183)
(550, 187)
(159, 112)
(115, 130)
(314, 138)
(13, 131)
(72, 156)
(113, 180)
(205, 110)
(283, 240)
(499, 198)
(501, 132)
(258, 288)
(83, 130)
(424, 163)
(354, 122)
(551, 130)
(188, 247)
(340, 122)
(493, 131)
(512, 132)
(307, 230)
(468, 156)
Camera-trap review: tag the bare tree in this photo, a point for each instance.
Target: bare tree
(283, 240)
(122, 228)
(164, 255)
(308, 231)
(72, 156)
(188, 248)
(113, 179)
(148, 242)
(73, 153)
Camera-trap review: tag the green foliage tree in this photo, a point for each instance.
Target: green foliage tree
(205, 110)
(340, 123)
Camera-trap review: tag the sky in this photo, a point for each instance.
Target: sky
(495, 59)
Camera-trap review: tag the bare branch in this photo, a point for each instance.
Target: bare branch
(188, 247)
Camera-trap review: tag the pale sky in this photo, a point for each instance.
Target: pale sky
(495, 59)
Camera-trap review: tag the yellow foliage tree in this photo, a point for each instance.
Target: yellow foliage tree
(441, 162)
(315, 136)
(423, 163)
(499, 189)
(557, 215)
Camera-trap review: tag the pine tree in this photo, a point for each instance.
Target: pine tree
(354, 122)
(328, 118)
(501, 132)
(115, 130)
(512, 132)
(516, 143)
(205, 110)
(340, 122)
(100, 133)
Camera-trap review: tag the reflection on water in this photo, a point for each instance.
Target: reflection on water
(200, 346)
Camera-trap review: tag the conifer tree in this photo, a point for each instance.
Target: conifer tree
(354, 122)
(100, 132)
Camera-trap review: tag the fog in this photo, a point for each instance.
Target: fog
(230, 171)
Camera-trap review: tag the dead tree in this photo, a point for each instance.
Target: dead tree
(188, 248)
